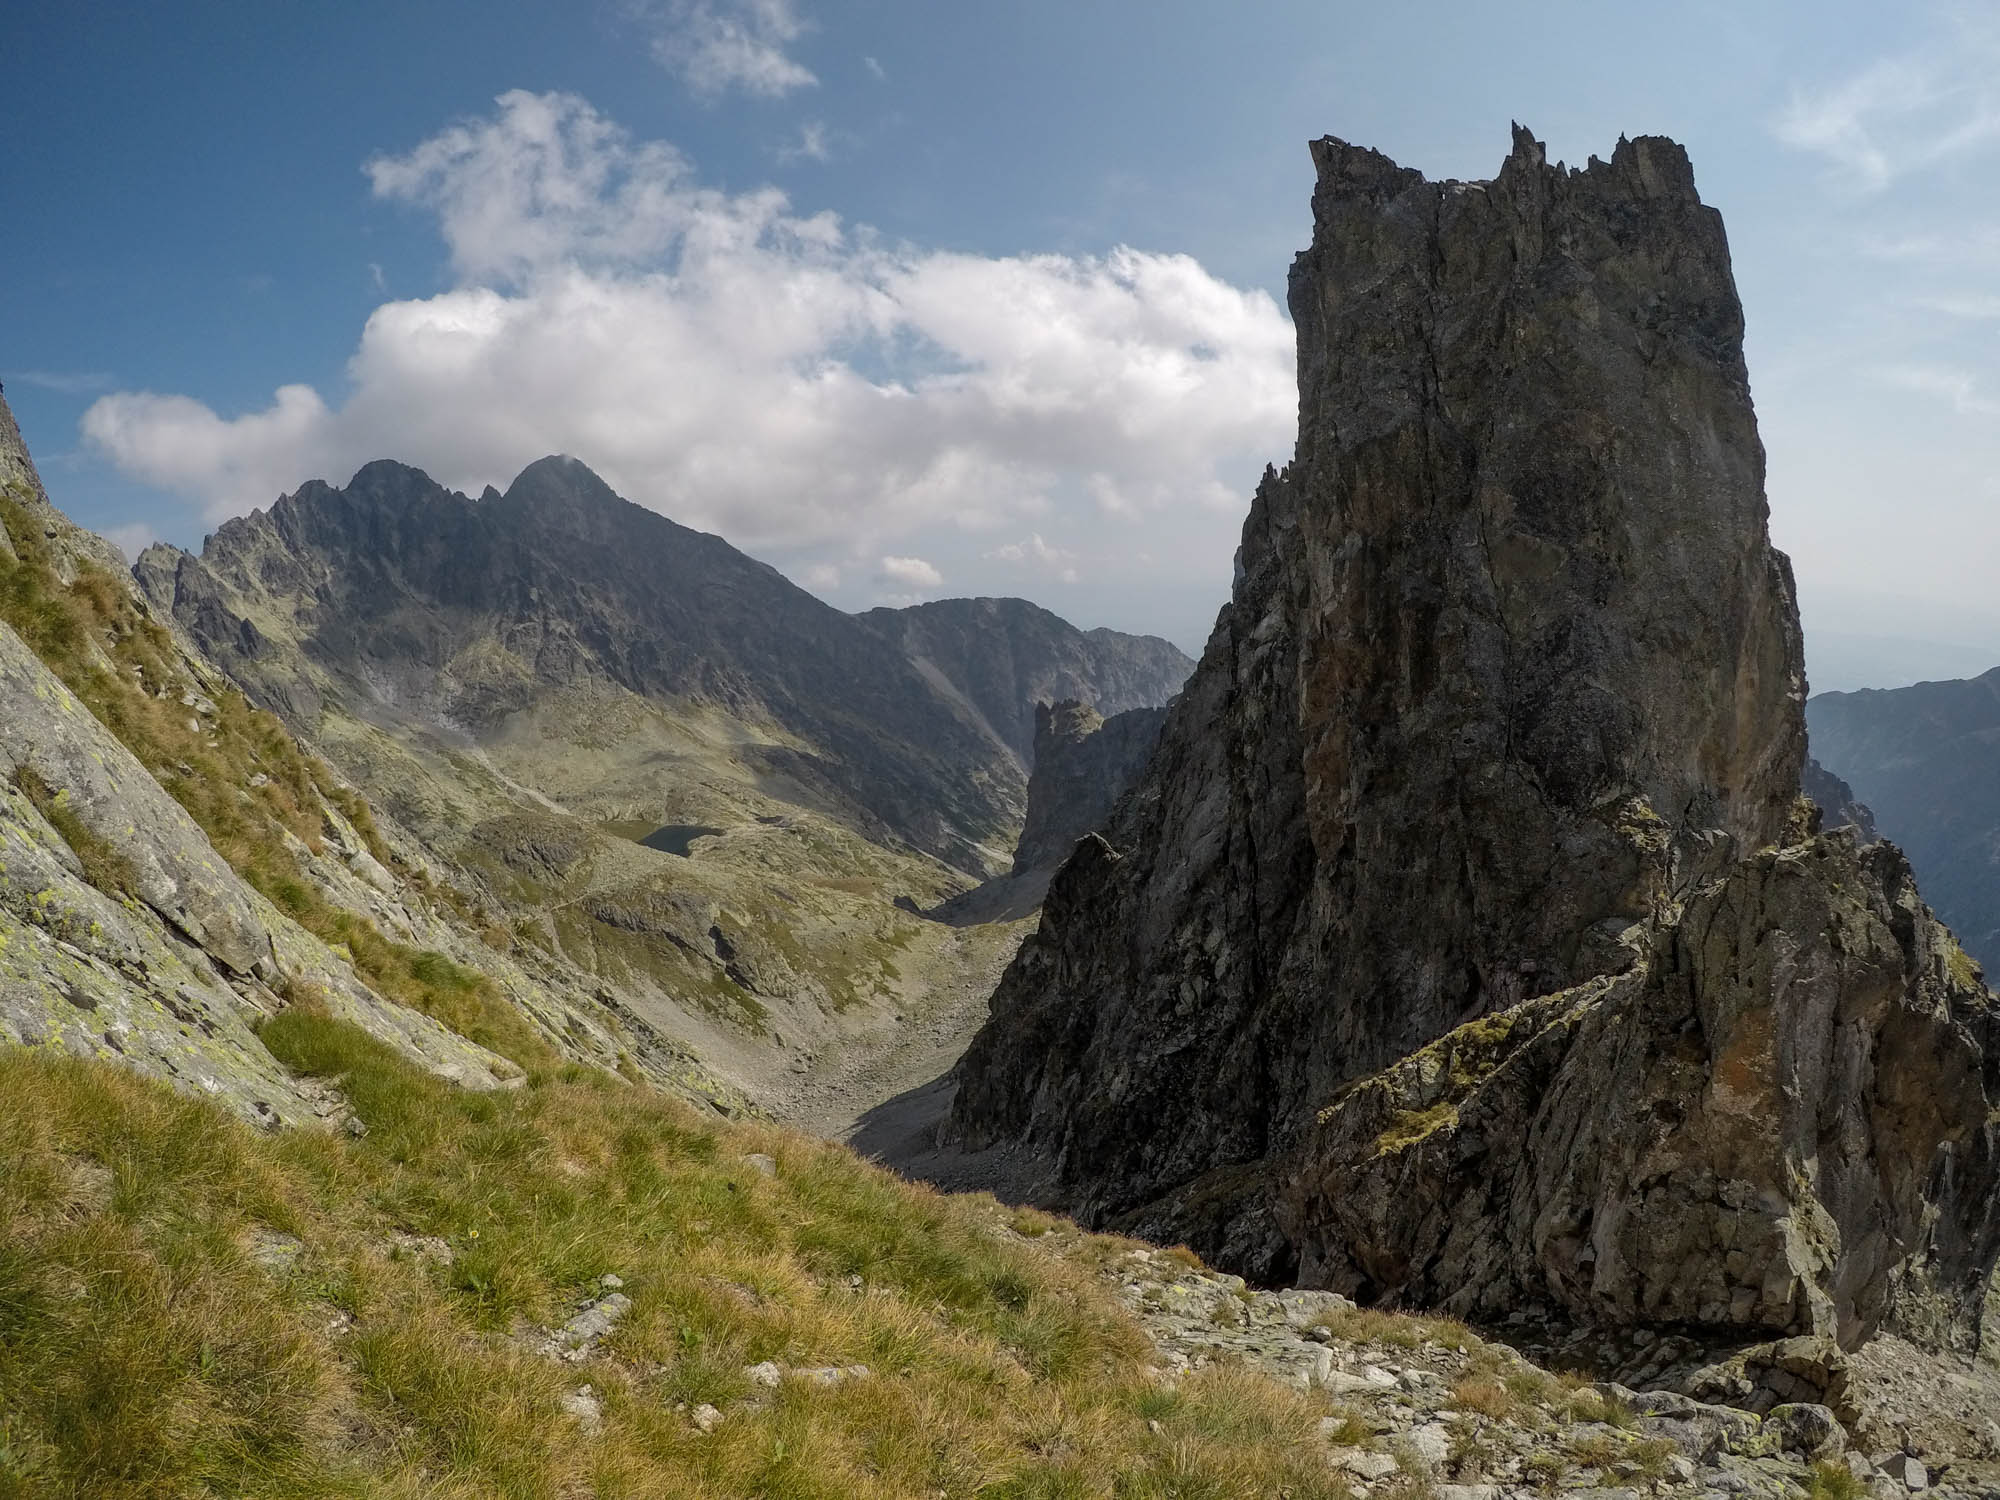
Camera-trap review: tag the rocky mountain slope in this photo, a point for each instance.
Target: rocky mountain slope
(1001, 658)
(1926, 760)
(1839, 806)
(396, 594)
(641, 751)
(1467, 942)
(174, 869)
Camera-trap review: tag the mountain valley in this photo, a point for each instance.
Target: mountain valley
(1449, 1043)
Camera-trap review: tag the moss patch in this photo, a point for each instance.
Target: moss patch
(1410, 1126)
(103, 865)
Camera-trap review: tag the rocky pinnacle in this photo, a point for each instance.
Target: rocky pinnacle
(1502, 729)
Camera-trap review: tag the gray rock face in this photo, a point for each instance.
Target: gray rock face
(1503, 726)
(1776, 1121)
(1003, 658)
(1082, 765)
(171, 980)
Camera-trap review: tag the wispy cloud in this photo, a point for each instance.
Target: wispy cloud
(1057, 561)
(874, 67)
(812, 145)
(718, 45)
(1958, 389)
(64, 382)
(1978, 248)
(1973, 309)
(1907, 113)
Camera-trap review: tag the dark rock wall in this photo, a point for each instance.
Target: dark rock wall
(1509, 638)
(1511, 675)
(1083, 764)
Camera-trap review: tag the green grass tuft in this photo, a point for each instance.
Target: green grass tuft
(103, 865)
(145, 1351)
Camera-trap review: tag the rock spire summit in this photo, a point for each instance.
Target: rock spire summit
(1466, 942)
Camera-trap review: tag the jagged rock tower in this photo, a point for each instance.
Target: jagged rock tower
(1465, 942)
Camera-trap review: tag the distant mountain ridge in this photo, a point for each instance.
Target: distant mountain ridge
(1926, 760)
(1007, 656)
(405, 596)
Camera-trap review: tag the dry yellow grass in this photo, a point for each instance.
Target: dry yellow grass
(144, 1351)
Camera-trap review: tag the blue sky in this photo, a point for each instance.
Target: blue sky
(917, 299)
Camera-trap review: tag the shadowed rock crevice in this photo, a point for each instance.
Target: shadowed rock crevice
(1083, 764)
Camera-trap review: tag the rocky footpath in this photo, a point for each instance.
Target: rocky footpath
(1430, 1407)
(1467, 942)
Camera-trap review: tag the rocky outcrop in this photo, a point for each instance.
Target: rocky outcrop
(1082, 765)
(1774, 1122)
(1000, 659)
(1839, 808)
(124, 934)
(1502, 728)
(1926, 760)
(171, 976)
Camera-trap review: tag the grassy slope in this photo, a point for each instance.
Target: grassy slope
(144, 1350)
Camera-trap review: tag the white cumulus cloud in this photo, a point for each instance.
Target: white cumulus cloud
(911, 573)
(786, 379)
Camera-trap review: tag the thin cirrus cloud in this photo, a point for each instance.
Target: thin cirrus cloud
(1958, 389)
(812, 145)
(783, 378)
(715, 46)
(64, 382)
(1938, 101)
(1975, 308)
